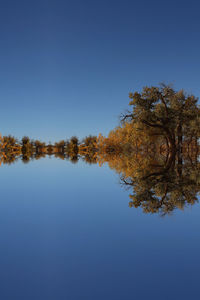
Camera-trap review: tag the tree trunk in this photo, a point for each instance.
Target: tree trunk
(171, 141)
(180, 138)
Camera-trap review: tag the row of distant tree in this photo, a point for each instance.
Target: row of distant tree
(27, 149)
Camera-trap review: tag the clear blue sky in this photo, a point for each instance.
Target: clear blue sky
(66, 67)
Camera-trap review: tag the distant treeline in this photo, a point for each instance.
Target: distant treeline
(121, 142)
(27, 149)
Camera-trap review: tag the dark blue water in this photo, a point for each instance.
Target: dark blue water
(66, 232)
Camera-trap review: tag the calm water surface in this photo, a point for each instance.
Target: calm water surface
(67, 233)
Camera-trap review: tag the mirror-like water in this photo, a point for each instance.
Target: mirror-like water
(67, 232)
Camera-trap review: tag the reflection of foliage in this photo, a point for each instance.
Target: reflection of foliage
(160, 181)
(162, 189)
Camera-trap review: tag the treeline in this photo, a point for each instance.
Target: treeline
(12, 149)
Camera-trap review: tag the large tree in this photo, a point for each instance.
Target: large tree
(166, 112)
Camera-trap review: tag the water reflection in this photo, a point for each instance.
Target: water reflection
(160, 181)
(163, 188)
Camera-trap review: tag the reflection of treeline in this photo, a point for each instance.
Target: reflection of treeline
(27, 149)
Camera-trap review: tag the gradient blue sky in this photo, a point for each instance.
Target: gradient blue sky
(66, 67)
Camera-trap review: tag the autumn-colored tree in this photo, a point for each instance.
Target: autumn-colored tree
(10, 149)
(60, 147)
(88, 149)
(39, 147)
(27, 149)
(72, 149)
(167, 110)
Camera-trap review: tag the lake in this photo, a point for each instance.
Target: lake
(67, 232)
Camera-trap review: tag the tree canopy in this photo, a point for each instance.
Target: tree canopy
(173, 114)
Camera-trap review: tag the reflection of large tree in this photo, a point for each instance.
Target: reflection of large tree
(161, 189)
